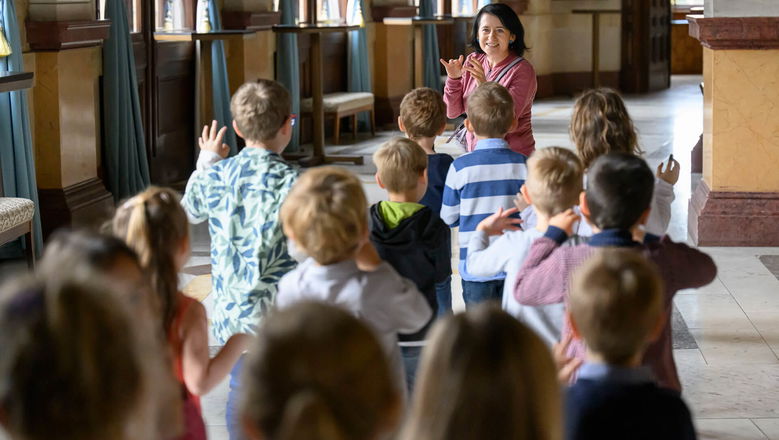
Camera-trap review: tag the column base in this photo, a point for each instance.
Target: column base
(86, 204)
(733, 218)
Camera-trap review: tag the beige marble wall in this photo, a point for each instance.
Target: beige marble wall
(66, 116)
(741, 8)
(741, 120)
(561, 41)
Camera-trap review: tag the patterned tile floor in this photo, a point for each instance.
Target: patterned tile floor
(727, 333)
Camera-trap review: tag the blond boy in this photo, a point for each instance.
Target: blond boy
(483, 181)
(616, 306)
(326, 216)
(408, 235)
(240, 197)
(553, 184)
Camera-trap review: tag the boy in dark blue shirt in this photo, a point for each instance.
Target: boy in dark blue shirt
(422, 118)
(615, 305)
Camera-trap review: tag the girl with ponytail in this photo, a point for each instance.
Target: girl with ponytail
(155, 226)
(317, 373)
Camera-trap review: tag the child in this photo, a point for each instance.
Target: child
(155, 226)
(326, 216)
(481, 182)
(485, 376)
(616, 306)
(422, 118)
(408, 235)
(241, 197)
(601, 124)
(316, 372)
(72, 366)
(616, 204)
(553, 185)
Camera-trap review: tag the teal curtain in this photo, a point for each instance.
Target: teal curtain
(16, 151)
(124, 146)
(432, 68)
(220, 84)
(288, 65)
(359, 75)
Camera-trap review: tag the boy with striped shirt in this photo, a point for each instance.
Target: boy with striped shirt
(483, 181)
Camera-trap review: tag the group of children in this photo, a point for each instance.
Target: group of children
(569, 244)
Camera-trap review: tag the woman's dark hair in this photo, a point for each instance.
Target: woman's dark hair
(509, 18)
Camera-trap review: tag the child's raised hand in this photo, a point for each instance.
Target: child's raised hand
(565, 221)
(211, 140)
(671, 173)
(500, 221)
(566, 366)
(454, 68)
(520, 202)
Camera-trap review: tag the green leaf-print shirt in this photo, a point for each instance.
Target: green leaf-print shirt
(241, 197)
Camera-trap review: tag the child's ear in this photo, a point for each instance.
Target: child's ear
(572, 324)
(251, 430)
(658, 330)
(400, 125)
(378, 180)
(468, 125)
(583, 206)
(237, 131)
(287, 232)
(514, 125)
(441, 130)
(525, 194)
(644, 217)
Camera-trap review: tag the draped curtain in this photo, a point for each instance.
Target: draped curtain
(432, 68)
(124, 146)
(288, 65)
(220, 84)
(16, 150)
(359, 75)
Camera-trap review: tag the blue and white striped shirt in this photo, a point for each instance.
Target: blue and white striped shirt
(478, 183)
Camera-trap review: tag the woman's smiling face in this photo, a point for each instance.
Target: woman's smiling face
(494, 38)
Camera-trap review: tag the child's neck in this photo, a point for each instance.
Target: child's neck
(269, 146)
(481, 138)
(597, 358)
(427, 144)
(542, 222)
(404, 197)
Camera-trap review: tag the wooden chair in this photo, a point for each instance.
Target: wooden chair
(16, 217)
(342, 104)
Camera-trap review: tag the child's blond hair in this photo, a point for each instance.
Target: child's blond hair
(423, 113)
(485, 375)
(554, 182)
(490, 110)
(326, 214)
(316, 372)
(260, 109)
(601, 124)
(399, 164)
(72, 364)
(616, 303)
(154, 225)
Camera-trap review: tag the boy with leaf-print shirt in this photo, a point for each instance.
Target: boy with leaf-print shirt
(241, 197)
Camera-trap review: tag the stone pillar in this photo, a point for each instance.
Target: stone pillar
(737, 202)
(66, 44)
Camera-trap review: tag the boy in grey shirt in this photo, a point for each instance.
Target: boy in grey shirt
(325, 215)
(553, 185)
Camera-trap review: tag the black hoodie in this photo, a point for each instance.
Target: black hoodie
(419, 248)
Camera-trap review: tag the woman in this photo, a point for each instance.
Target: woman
(499, 40)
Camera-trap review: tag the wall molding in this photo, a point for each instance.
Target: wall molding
(735, 33)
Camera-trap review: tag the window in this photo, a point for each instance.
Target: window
(327, 11)
(354, 14)
(175, 15)
(134, 11)
(686, 3)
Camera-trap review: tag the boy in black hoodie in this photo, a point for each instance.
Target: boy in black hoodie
(409, 236)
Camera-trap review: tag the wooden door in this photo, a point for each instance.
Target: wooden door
(646, 45)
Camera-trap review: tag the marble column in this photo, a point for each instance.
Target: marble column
(737, 202)
(66, 41)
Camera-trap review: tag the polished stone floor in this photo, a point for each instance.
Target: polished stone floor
(730, 329)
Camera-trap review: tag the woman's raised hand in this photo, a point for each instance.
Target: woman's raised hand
(454, 68)
(476, 71)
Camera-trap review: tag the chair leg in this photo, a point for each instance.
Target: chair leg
(354, 127)
(337, 133)
(373, 124)
(29, 248)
